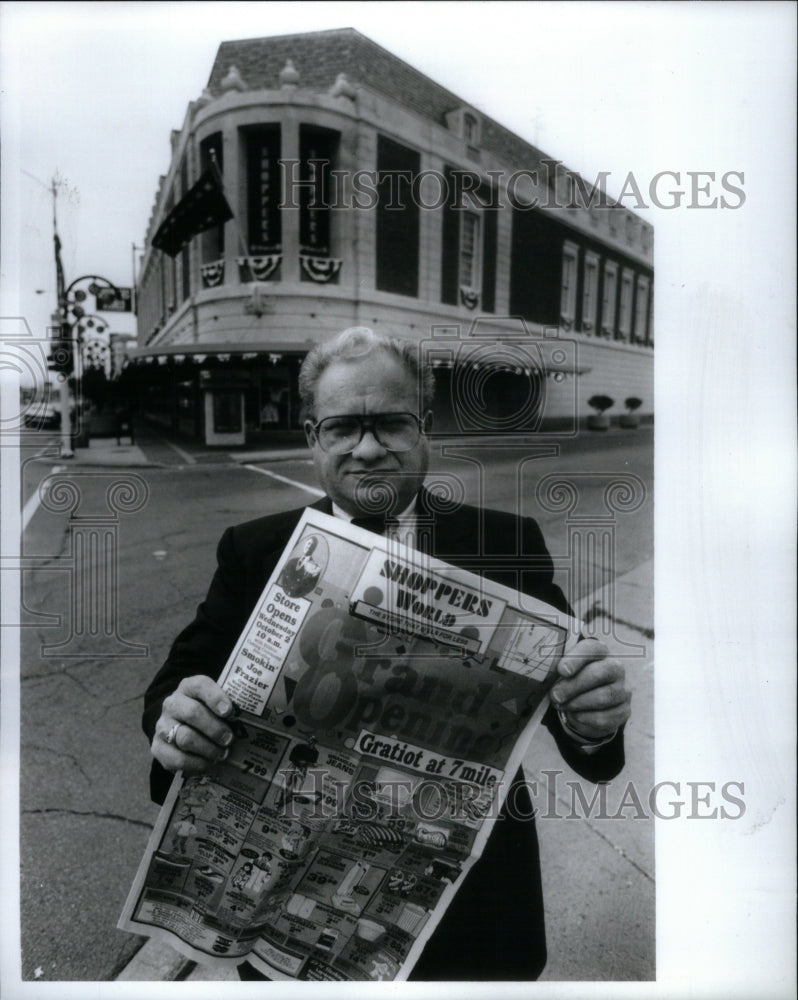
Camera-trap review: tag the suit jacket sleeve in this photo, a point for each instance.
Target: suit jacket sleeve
(245, 556)
(534, 575)
(606, 761)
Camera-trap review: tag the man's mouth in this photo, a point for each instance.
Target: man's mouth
(369, 473)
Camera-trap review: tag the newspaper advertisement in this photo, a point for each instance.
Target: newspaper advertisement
(385, 702)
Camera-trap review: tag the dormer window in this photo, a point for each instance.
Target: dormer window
(467, 124)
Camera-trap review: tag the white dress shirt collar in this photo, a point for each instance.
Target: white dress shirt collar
(406, 521)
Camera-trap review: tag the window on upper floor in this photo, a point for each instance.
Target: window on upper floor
(609, 294)
(469, 237)
(536, 266)
(641, 310)
(398, 220)
(590, 291)
(568, 280)
(625, 307)
(466, 124)
(185, 259)
(470, 241)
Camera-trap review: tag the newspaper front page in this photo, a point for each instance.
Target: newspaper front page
(386, 700)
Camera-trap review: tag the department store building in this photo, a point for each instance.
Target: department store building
(363, 193)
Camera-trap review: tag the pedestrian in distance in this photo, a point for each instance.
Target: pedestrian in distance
(123, 422)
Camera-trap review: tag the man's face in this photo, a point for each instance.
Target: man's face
(376, 383)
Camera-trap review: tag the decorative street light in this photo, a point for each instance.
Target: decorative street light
(74, 323)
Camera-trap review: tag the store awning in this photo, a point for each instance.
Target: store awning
(219, 351)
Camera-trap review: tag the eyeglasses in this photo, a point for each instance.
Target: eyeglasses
(394, 431)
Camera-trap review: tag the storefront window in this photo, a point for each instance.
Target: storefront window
(227, 411)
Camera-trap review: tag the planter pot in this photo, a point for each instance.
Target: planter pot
(629, 420)
(598, 422)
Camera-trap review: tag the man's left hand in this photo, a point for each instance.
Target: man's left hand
(591, 692)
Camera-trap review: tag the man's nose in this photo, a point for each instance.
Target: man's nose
(368, 448)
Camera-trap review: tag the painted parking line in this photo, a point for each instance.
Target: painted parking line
(35, 499)
(285, 479)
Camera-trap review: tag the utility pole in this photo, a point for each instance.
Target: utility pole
(134, 296)
(60, 318)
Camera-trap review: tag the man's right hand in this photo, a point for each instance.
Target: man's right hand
(198, 709)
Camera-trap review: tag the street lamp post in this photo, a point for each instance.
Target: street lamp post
(73, 321)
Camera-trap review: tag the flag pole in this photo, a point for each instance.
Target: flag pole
(220, 179)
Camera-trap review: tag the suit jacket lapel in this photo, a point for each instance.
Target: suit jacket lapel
(452, 534)
(449, 534)
(323, 505)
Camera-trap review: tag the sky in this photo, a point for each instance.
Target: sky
(90, 93)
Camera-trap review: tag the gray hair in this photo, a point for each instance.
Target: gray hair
(356, 342)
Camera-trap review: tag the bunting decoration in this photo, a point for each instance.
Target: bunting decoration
(320, 269)
(212, 274)
(259, 268)
(469, 297)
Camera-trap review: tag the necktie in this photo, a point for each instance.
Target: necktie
(372, 522)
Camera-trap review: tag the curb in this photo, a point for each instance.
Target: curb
(242, 458)
(155, 962)
(116, 465)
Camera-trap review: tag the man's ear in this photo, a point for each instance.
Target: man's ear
(426, 424)
(310, 434)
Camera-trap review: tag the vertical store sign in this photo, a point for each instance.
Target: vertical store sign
(263, 189)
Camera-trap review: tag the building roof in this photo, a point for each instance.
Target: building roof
(319, 56)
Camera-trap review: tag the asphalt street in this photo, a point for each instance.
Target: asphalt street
(119, 549)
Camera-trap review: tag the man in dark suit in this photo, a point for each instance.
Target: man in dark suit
(367, 402)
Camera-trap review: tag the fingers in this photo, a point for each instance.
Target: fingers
(208, 692)
(186, 708)
(582, 653)
(601, 723)
(199, 736)
(592, 691)
(599, 686)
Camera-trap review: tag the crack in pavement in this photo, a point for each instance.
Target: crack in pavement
(79, 683)
(569, 804)
(619, 850)
(58, 753)
(119, 704)
(596, 611)
(96, 815)
(61, 671)
(48, 560)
